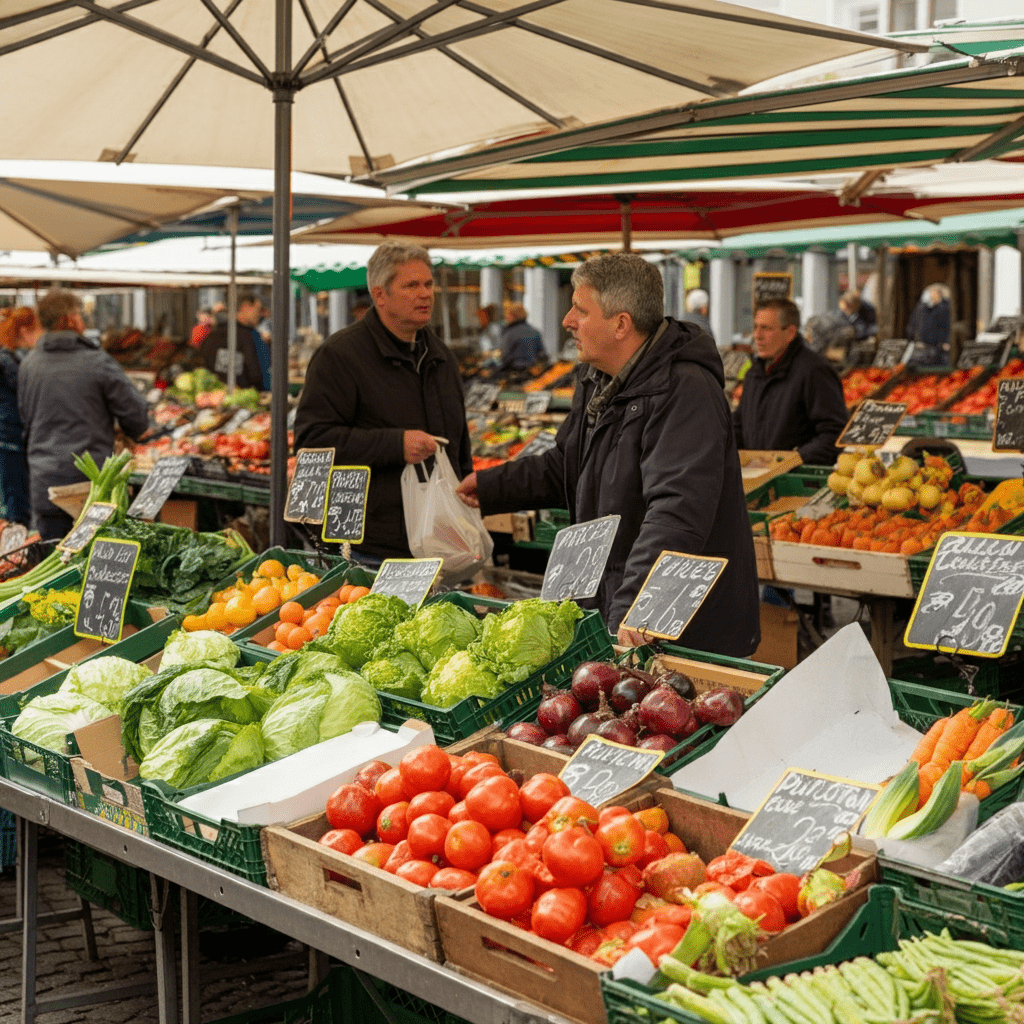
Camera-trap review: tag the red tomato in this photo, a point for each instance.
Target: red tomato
(477, 773)
(655, 940)
(539, 793)
(558, 914)
(368, 775)
(393, 823)
(611, 899)
(504, 837)
(608, 813)
(351, 806)
(536, 836)
(376, 854)
(573, 856)
(427, 835)
(670, 913)
(569, 811)
(419, 872)
(453, 878)
(390, 788)
(622, 839)
(467, 845)
(459, 813)
(425, 768)
(431, 802)
(344, 840)
(504, 890)
(654, 849)
(399, 856)
(632, 874)
(472, 757)
(762, 907)
(494, 802)
(586, 940)
(785, 888)
(725, 890)
(619, 930)
(459, 768)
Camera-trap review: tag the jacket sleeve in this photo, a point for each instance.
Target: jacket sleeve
(124, 401)
(737, 424)
(826, 409)
(327, 411)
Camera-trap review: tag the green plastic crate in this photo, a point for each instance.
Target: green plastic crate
(999, 678)
(793, 484)
(109, 883)
(549, 522)
(8, 840)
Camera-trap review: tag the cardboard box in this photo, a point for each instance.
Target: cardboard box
(518, 962)
(779, 628)
(180, 512)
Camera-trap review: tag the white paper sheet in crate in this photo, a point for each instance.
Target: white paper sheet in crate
(833, 714)
(299, 785)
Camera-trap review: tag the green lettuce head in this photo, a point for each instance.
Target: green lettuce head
(459, 675)
(202, 751)
(395, 670)
(200, 647)
(209, 693)
(437, 629)
(526, 636)
(105, 679)
(358, 628)
(47, 720)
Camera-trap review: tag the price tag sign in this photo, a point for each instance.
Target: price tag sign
(536, 403)
(600, 770)
(543, 441)
(1008, 434)
(308, 490)
(971, 595)
(108, 578)
(673, 591)
(772, 286)
(889, 353)
(872, 424)
(88, 523)
(821, 505)
(345, 506)
(481, 396)
(577, 560)
(407, 578)
(162, 479)
(801, 817)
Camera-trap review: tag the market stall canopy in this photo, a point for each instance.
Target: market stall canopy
(72, 277)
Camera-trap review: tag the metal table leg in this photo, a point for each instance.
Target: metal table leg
(29, 906)
(883, 631)
(191, 988)
(166, 967)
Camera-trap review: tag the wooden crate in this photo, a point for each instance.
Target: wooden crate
(763, 552)
(841, 569)
(70, 498)
(544, 972)
(759, 467)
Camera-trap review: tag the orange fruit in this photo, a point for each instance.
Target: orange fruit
(269, 567)
(357, 592)
(289, 590)
(298, 636)
(291, 611)
(306, 580)
(319, 623)
(276, 645)
(266, 599)
(239, 611)
(215, 617)
(344, 592)
(229, 629)
(329, 605)
(193, 622)
(295, 571)
(282, 631)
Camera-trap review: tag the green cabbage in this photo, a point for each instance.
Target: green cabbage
(105, 679)
(198, 752)
(358, 628)
(245, 753)
(436, 629)
(209, 693)
(459, 675)
(296, 668)
(200, 647)
(47, 720)
(526, 636)
(396, 671)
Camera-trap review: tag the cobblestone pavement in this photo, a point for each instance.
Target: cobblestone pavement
(126, 955)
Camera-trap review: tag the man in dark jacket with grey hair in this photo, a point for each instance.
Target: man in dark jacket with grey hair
(648, 438)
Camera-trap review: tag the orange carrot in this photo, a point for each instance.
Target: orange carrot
(993, 727)
(979, 787)
(926, 779)
(926, 747)
(959, 734)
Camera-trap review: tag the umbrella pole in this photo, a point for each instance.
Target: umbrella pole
(232, 300)
(283, 98)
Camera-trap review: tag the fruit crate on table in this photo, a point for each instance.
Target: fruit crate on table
(957, 426)
(887, 917)
(998, 678)
(783, 494)
(549, 522)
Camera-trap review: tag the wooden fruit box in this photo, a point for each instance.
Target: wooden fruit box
(841, 569)
(763, 552)
(544, 972)
(758, 467)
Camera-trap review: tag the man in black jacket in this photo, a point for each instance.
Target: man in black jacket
(382, 389)
(648, 438)
(792, 398)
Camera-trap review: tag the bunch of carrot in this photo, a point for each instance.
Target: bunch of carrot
(964, 736)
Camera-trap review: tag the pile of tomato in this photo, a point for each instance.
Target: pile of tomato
(862, 382)
(536, 856)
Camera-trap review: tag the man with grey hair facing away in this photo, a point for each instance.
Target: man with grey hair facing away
(382, 389)
(697, 310)
(649, 438)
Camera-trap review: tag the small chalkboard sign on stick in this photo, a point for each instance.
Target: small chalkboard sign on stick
(308, 489)
(872, 424)
(543, 441)
(801, 818)
(971, 595)
(1008, 433)
(345, 506)
(673, 591)
(108, 578)
(162, 479)
(88, 523)
(600, 769)
(890, 353)
(577, 560)
(407, 578)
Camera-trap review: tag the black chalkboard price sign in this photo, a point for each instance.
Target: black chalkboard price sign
(801, 818)
(540, 443)
(673, 591)
(577, 560)
(872, 423)
(308, 490)
(407, 578)
(1008, 434)
(345, 507)
(891, 352)
(971, 595)
(772, 286)
(600, 770)
(108, 578)
(88, 523)
(162, 479)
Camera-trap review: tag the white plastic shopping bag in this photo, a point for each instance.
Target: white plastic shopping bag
(438, 524)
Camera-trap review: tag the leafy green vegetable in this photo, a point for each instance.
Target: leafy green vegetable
(243, 398)
(200, 647)
(44, 612)
(358, 628)
(105, 679)
(194, 753)
(395, 670)
(47, 720)
(526, 636)
(459, 675)
(436, 629)
(246, 752)
(296, 668)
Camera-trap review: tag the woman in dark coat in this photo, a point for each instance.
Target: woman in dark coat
(19, 330)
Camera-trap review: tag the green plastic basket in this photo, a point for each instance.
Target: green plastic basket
(549, 522)
(1000, 678)
(8, 840)
(109, 883)
(793, 484)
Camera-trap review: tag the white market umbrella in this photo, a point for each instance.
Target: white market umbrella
(362, 85)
